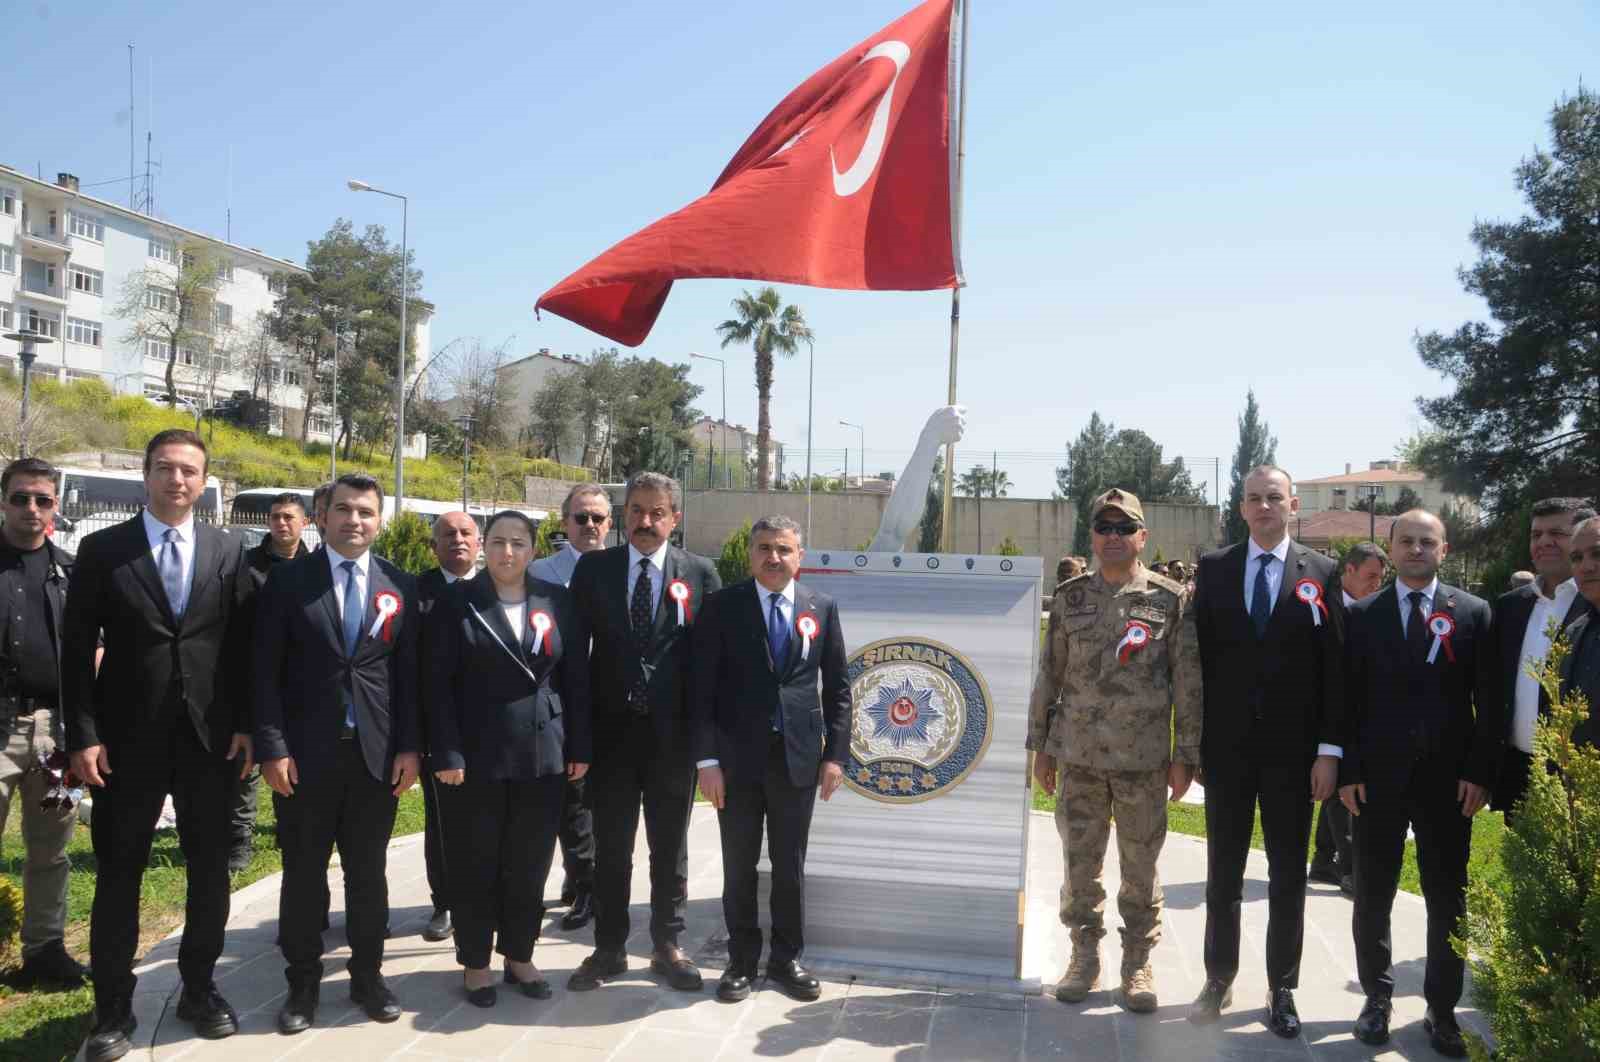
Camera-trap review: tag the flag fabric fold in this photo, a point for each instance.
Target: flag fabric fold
(846, 184)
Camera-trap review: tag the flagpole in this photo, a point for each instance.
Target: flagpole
(946, 531)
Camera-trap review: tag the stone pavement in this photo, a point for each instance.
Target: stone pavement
(633, 1018)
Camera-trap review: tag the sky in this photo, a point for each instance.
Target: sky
(1166, 204)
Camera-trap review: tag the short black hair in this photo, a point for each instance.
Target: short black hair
(1582, 513)
(359, 482)
(513, 514)
(320, 497)
(176, 437)
(1362, 552)
(32, 467)
(1557, 506)
(288, 497)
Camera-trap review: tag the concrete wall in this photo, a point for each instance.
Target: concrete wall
(1040, 527)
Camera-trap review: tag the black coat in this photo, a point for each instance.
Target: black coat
(262, 560)
(1449, 713)
(1581, 672)
(301, 670)
(494, 707)
(155, 665)
(601, 588)
(1268, 700)
(734, 684)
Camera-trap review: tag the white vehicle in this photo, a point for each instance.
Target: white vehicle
(94, 498)
(251, 506)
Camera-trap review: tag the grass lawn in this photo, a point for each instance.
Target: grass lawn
(48, 1026)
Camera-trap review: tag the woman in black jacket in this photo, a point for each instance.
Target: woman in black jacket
(508, 717)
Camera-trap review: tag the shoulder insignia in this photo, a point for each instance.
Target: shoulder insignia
(1164, 583)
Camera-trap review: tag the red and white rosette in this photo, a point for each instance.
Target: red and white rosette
(1441, 626)
(1135, 637)
(806, 623)
(678, 590)
(541, 623)
(388, 605)
(1308, 591)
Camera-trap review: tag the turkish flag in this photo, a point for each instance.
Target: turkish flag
(846, 184)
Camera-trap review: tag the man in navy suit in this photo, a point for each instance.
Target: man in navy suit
(1423, 739)
(765, 744)
(337, 726)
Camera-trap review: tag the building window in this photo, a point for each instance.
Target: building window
(225, 272)
(160, 299)
(8, 202)
(83, 331)
(44, 323)
(221, 315)
(277, 283)
(89, 281)
(186, 260)
(161, 250)
(275, 419)
(90, 228)
(5, 315)
(291, 377)
(8, 259)
(321, 425)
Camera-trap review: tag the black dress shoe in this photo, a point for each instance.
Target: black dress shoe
(1325, 873)
(569, 892)
(482, 997)
(300, 1009)
(438, 927)
(1372, 1027)
(372, 995)
(205, 1009)
(672, 962)
(1444, 1034)
(52, 965)
(113, 1026)
(538, 988)
(580, 910)
(596, 970)
(734, 985)
(239, 856)
(794, 979)
(1282, 1018)
(1208, 1005)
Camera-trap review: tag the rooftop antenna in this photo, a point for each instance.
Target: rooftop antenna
(230, 194)
(131, 169)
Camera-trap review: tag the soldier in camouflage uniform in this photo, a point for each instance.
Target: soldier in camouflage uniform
(1123, 660)
(1069, 567)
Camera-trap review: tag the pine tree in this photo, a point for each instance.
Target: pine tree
(932, 527)
(1257, 446)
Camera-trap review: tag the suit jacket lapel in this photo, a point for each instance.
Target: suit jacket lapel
(667, 610)
(803, 603)
(620, 602)
(322, 580)
(487, 604)
(756, 619)
(1294, 569)
(377, 583)
(206, 548)
(144, 567)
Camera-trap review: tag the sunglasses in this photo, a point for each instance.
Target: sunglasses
(1126, 530)
(20, 499)
(62, 781)
(585, 519)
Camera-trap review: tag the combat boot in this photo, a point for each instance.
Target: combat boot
(1138, 985)
(1083, 972)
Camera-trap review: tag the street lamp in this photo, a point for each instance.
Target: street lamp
(724, 426)
(25, 356)
(400, 365)
(863, 432)
(465, 422)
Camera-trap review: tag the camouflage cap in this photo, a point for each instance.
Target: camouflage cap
(1118, 499)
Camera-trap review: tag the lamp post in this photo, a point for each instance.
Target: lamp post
(400, 365)
(863, 431)
(723, 427)
(465, 422)
(28, 340)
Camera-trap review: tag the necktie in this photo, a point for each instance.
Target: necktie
(778, 641)
(1261, 598)
(639, 616)
(352, 630)
(1417, 627)
(171, 570)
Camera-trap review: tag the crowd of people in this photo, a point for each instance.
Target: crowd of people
(559, 700)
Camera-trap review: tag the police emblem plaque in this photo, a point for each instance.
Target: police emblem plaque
(922, 720)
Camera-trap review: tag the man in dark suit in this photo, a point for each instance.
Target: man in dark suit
(455, 546)
(1422, 747)
(637, 602)
(1270, 650)
(338, 732)
(1581, 670)
(765, 744)
(1521, 623)
(167, 713)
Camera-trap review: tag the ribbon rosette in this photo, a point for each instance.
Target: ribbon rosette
(541, 623)
(1134, 638)
(678, 590)
(1308, 591)
(1442, 627)
(807, 625)
(388, 606)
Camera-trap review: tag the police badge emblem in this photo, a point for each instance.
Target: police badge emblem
(922, 721)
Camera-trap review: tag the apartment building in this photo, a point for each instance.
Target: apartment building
(1384, 479)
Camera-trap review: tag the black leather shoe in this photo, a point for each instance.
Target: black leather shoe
(538, 988)
(210, 1014)
(1208, 1005)
(794, 979)
(438, 927)
(1372, 1027)
(734, 985)
(52, 965)
(672, 962)
(1324, 873)
(300, 1009)
(1282, 1018)
(373, 996)
(482, 997)
(596, 970)
(1444, 1034)
(569, 892)
(580, 911)
(113, 1027)
(240, 855)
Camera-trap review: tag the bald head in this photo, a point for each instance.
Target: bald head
(455, 542)
(1417, 546)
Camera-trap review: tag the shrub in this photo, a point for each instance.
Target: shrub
(1008, 548)
(10, 912)
(407, 543)
(542, 546)
(734, 563)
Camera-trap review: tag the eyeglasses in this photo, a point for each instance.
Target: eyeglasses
(585, 519)
(1126, 530)
(20, 499)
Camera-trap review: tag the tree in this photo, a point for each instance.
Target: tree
(1406, 500)
(734, 563)
(171, 304)
(770, 328)
(407, 542)
(981, 481)
(1103, 457)
(1257, 446)
(472, 376)
(931, 530)
(1524, 418)
(553, 414)
(544, 535)
(1009, 548)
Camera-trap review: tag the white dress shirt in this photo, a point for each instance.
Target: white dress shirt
(155, 531)
(658, 573)
(785, 609)
(335, 559)
(1348, 600)
(1404, 592)
(516, 613)
(1274, 571)
(1535, 646)
(452, 577)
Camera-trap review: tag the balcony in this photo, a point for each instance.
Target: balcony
(40, 292)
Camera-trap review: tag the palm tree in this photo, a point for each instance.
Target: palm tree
(770, 328)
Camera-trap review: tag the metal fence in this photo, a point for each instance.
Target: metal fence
(75, 521)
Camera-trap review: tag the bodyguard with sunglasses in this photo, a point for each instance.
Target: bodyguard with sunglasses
(33, 586)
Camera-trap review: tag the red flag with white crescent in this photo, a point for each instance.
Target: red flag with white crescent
(846, 184)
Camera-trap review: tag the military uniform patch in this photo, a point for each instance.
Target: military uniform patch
(1148, 613)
